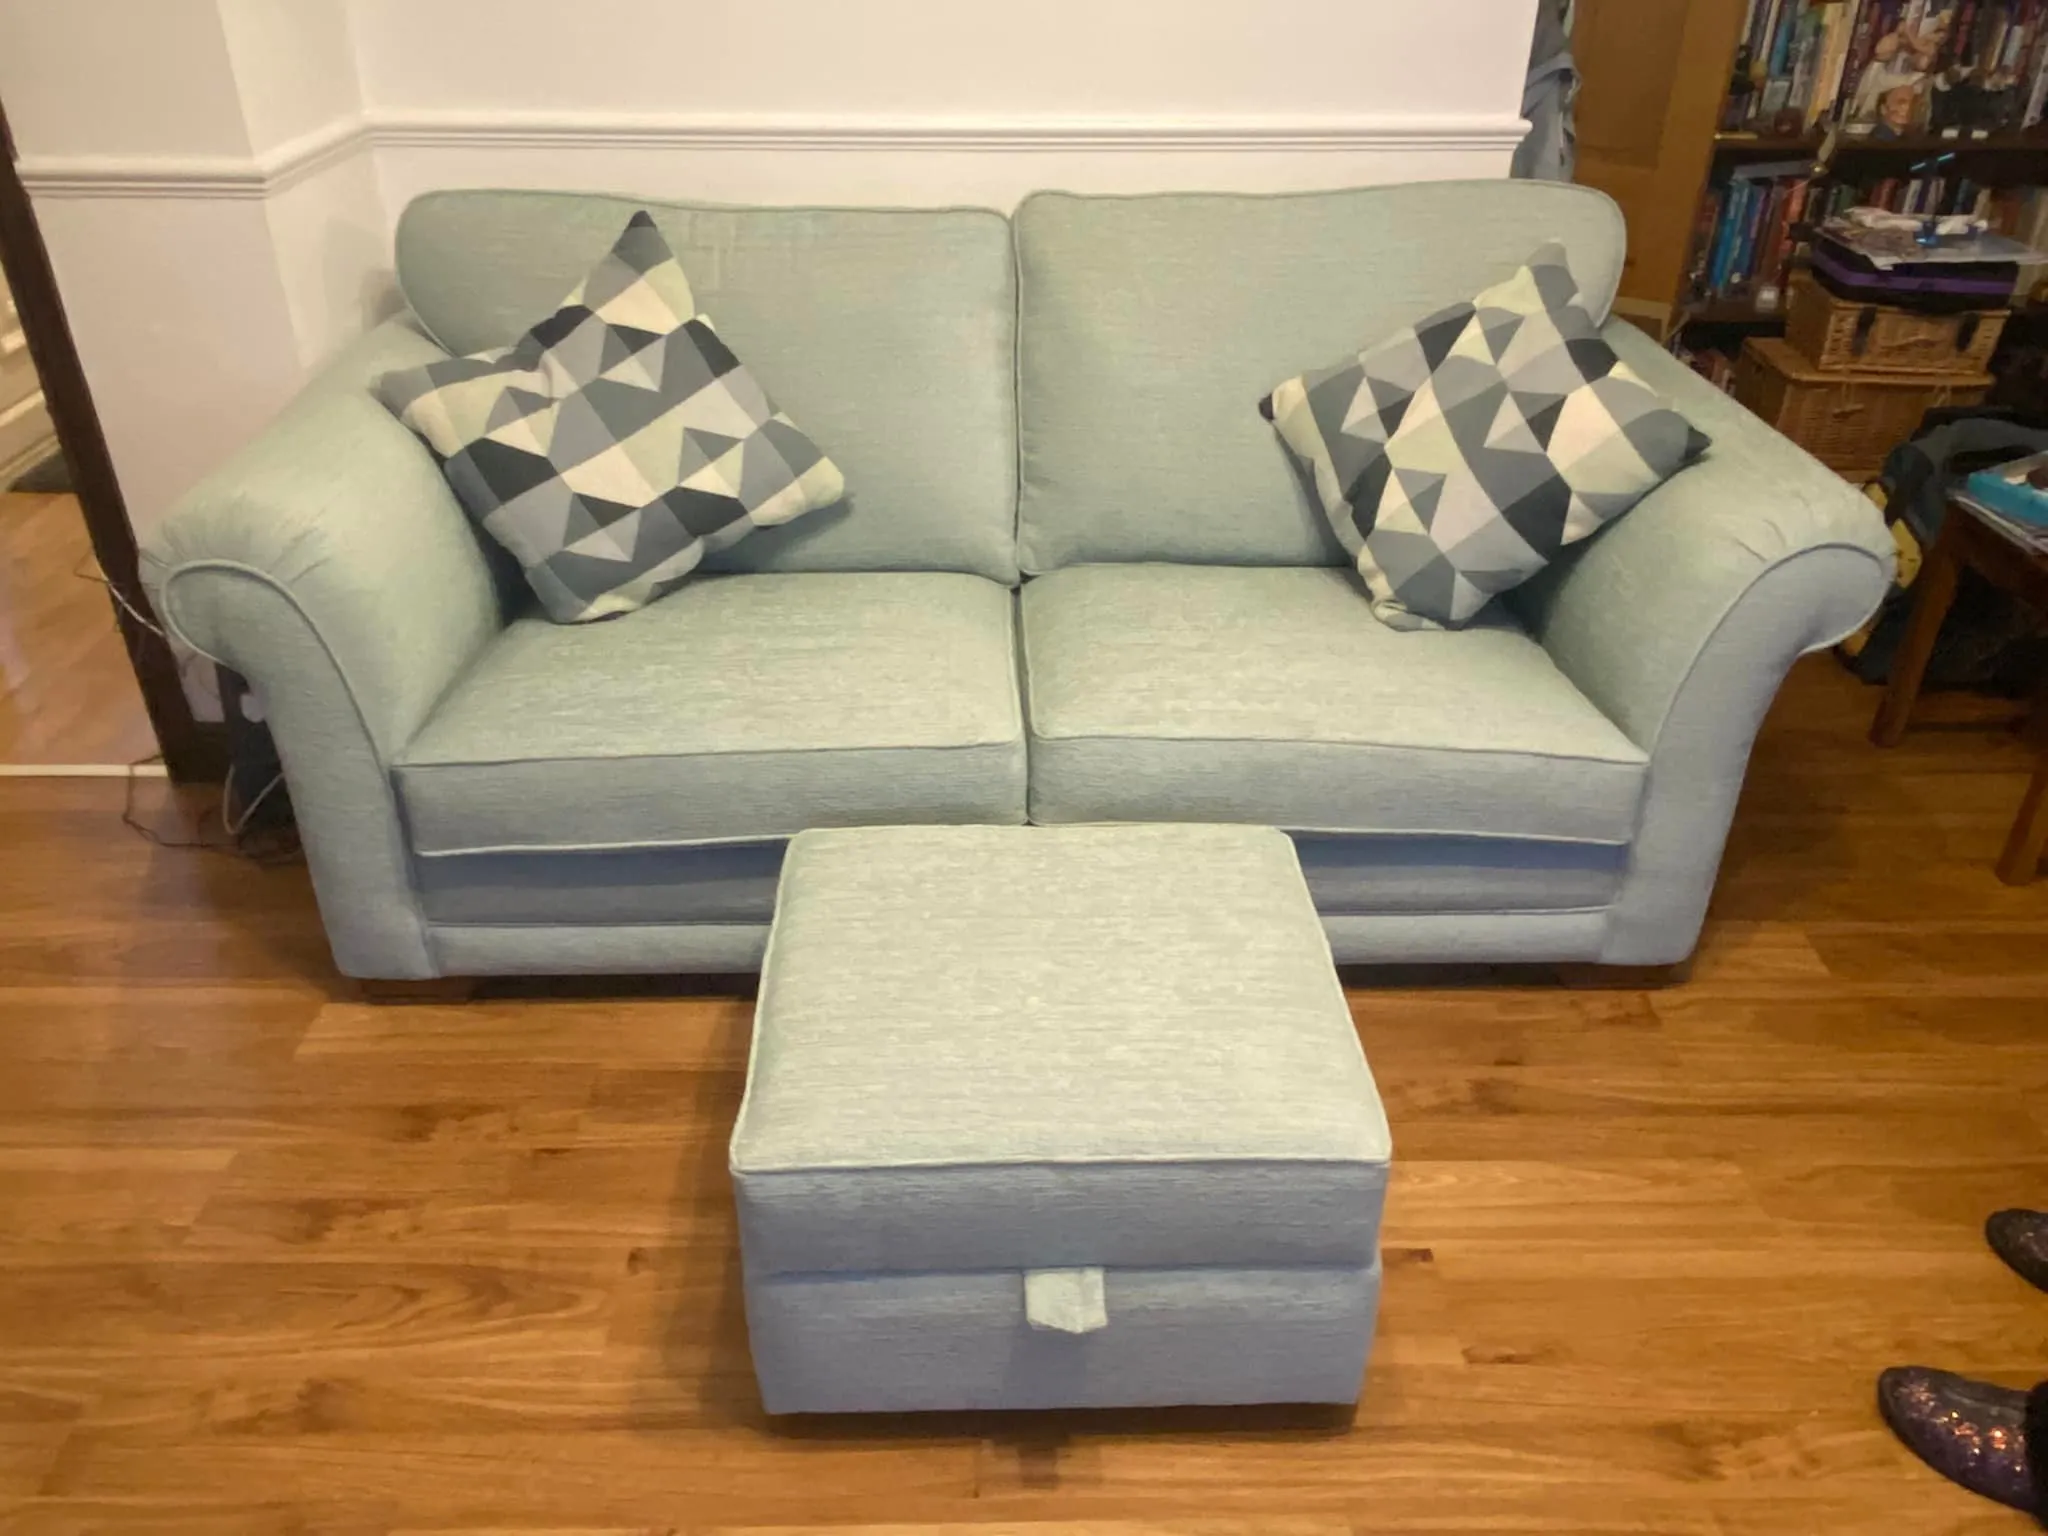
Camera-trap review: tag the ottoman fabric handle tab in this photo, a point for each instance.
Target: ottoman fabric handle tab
(1065, 1300)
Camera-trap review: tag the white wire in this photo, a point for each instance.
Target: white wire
(233, 825)
(127, 607)
(121, 600)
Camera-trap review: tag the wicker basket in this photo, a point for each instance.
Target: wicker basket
(1849, 421)
(1838, 334)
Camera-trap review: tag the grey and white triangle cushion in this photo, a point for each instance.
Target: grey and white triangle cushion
(1457, 457)
(617, 442)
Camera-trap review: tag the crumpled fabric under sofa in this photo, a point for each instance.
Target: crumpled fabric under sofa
(1076, 579)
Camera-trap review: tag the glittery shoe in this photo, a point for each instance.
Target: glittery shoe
(1971, 1432)
(2021, 1239)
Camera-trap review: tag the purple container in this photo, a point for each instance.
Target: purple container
(1935, 287)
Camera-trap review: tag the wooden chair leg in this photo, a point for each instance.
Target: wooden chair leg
(2021, 861)
(1934, 592)
(431, 989)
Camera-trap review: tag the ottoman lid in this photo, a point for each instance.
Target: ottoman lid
(1035, 1047)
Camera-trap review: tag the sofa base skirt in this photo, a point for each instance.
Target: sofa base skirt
(621, 950)
(913, 1342)
(734, 883)
(1383, 900)
(1378, 938)
(1466, 938)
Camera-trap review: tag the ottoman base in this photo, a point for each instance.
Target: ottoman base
(907, 1342)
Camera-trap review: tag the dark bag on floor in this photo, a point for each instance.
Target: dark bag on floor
(1989, 642)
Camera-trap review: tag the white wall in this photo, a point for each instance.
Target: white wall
(185, 354)
(201, 180)
(1133, 59)
(912, 101)
(175, 301)
(297, 75)
(294, 64)
(118, 78)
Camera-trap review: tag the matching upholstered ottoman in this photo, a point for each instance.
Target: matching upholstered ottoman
(1055, 1117)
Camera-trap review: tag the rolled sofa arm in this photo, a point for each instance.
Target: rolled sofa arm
(329, 563)
(1681, 620)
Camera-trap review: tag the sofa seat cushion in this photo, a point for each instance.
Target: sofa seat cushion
(1034, 1048)
(739, 708)
(1272, 695)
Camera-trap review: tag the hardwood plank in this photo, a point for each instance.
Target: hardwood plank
(617, 1033)
(1262, 1527)
(272, 1260)
(116, 1517)
(532, 1476)
(67, 692)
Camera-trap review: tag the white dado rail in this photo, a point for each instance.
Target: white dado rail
(414, 150)
(202, 176)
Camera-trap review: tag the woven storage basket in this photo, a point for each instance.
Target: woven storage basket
(1849, 421)
(1837, 333)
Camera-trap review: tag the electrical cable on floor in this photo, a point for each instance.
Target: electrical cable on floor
(269, 848)
(277, 847)
(235, 825)
(150, 834)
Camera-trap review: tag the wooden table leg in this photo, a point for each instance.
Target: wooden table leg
(1934, 592)
(2021, 860)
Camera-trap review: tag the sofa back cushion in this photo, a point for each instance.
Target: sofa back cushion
(890, 333)
(1150, 327)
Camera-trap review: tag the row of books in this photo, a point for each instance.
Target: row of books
(1751, 228)
(1747, 232)
(1906, 194)
(1891, 68)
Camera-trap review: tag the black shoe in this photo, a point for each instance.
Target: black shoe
(1990, 1440)
(2021, 1239)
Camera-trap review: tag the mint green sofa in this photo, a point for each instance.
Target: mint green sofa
(1076, 580)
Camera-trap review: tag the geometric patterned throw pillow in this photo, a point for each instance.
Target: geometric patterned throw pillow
(617, 442)
(1455, 459)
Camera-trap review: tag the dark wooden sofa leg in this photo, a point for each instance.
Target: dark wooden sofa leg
(1625, 978)
(430, 989)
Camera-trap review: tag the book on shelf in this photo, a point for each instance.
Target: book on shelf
(2021, 212)
(1922, 195)
(1712, 364)
(1747, 232)
(2005, 497)
(1890, 69)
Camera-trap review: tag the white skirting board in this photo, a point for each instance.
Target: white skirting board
(82, 771)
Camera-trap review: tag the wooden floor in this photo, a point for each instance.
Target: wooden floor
(67, 694)
(272, 1261)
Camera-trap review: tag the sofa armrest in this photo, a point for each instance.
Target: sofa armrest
(1681, 620)
(341, 511)
(329, 563)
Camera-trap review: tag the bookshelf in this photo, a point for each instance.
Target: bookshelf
(1667, 128)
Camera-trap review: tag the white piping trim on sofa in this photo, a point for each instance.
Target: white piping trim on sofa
(265, 175)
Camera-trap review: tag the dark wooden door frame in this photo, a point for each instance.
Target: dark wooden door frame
(192, 749)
